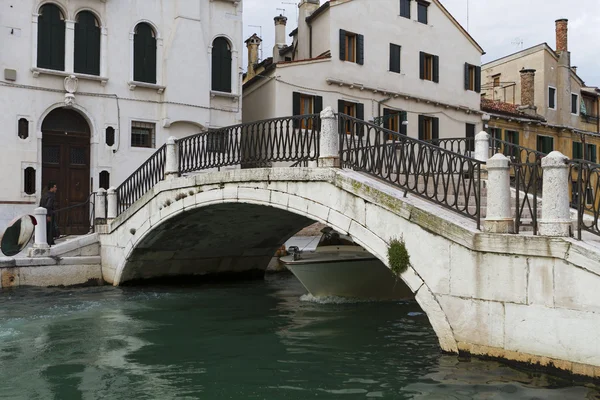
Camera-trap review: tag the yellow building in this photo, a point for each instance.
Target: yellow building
(536, 99)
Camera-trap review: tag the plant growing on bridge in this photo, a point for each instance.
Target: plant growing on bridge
(398, 256)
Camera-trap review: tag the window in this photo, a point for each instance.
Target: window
(305, 104)
(142, 134)
(221, 65)
(405, 8)
(216, 142)
(511, 137)
(590, 153)
(472, 78)
(470, 135)
(496, 79)
(104, 181)
(110, 136)
(29, 180)
(422, 11)
(51, 38)
(495, 135)
(588, 106)
(577, 151)
(428, 128)
(394, 58)
(392, 120)
(356, 110)
(23, 129)
(551, 97)
(351, 47)
(545, 144)
(574, 103)
(87, 44)
(429, 70)
(144, 54)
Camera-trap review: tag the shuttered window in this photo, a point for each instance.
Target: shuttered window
(429, 67)
(472, 78)
(590, 153)
(221, 65)
(577, 151)
(305, 104)
(429, 128)
(352, 47)
(356, 110)
(144, 54)
(545, 144)
(395, 58)
(87, 44)
(393, 120)
(51, 38)
(470, 135)
(405, 8)
(422, 7)
(551, 97)
(574, 103)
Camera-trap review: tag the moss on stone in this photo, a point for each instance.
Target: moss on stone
(398, 256)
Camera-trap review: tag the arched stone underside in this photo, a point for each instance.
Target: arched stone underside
(483, 293)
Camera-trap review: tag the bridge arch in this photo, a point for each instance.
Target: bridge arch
(178, 209)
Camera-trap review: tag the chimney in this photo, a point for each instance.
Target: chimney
(528, 87)
(280, 23)
(562, 36)
(305, 9)
(253, 43)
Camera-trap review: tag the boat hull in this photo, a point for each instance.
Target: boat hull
(362, 279)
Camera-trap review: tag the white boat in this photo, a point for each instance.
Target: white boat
(339, 267)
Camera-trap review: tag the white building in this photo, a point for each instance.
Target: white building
(402, 60)
(91, 88)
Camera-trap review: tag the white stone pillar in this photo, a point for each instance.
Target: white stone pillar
(172, 159)
(34, 40)
(556, 216)
(329, 144)
(103, 51)
(111, 200)
(41, 234)
(482, 146)
(100, 204)
(498, 217)
(69, 45)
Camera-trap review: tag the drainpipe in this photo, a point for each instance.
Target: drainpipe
(310, 41)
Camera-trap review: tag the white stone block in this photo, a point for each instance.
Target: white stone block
(339, 222)
(540, 281)
(260, 196)
(437, 317)
(576, 288)
(318, 211)
(298, 204)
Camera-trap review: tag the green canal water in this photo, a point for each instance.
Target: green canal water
(256, 340)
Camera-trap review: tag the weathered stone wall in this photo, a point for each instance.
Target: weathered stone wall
(518, 297)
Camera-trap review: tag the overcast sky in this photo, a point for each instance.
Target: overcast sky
(501, 27)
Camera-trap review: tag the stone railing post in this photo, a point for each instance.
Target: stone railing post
(100, 205)
(556, 217)
(41, 234)
(482, 146)
(499, 217)
(111, 200)
(172, 159)
(329, 144)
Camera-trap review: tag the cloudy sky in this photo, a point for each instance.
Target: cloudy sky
(501, 27)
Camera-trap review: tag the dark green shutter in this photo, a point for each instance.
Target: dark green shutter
(436, 69)
(422, 65)
(51, 38)
(421, 123)
(593, 157)
(221, 65)
(386, 118)
(296, 108)
(360, 49)
(342, 44)
(394, 58)
(470, 134)
(360, 114)
(403, 127)
(435, 129)
(577, 150)
(87, 44)
(318, 107)
(144, 54)
(478, 79)
(341, 104)
(467, 83)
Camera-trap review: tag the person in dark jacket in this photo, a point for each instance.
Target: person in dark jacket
(48, 202)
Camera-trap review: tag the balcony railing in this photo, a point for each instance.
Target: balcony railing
(590, 119)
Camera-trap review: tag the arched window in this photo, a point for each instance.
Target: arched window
(87, 44)
(104, 180)
(51, 38)
(110, 136)
(23, 128)
(144, 54)
(221, 65)
(29, 180)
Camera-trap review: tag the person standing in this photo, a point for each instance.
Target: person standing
(48, 202)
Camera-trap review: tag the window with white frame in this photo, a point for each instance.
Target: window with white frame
(574, 103)
(143, 134)
(551, 97)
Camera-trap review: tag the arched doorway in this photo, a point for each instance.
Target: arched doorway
(66, 161)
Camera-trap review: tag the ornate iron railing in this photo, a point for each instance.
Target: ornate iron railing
(76, 219)
(463, 146)
(254, 145)
(449, 179)
(585, 183)
(143, 179)
(527, 179)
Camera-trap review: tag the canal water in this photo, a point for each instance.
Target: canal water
(256, 340)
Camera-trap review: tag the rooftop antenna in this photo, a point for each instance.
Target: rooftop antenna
(467, 15)
(260, 34)
(518, 42)
(294, 3)
(282, 11)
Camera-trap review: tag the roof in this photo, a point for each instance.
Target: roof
(507, 109)
(254, 36)
(317, 12)
(294, 32)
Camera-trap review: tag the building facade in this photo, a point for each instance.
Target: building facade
(406, 65)
(536, 99)
(91, 88)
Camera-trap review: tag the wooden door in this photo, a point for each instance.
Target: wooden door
(66, 161)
